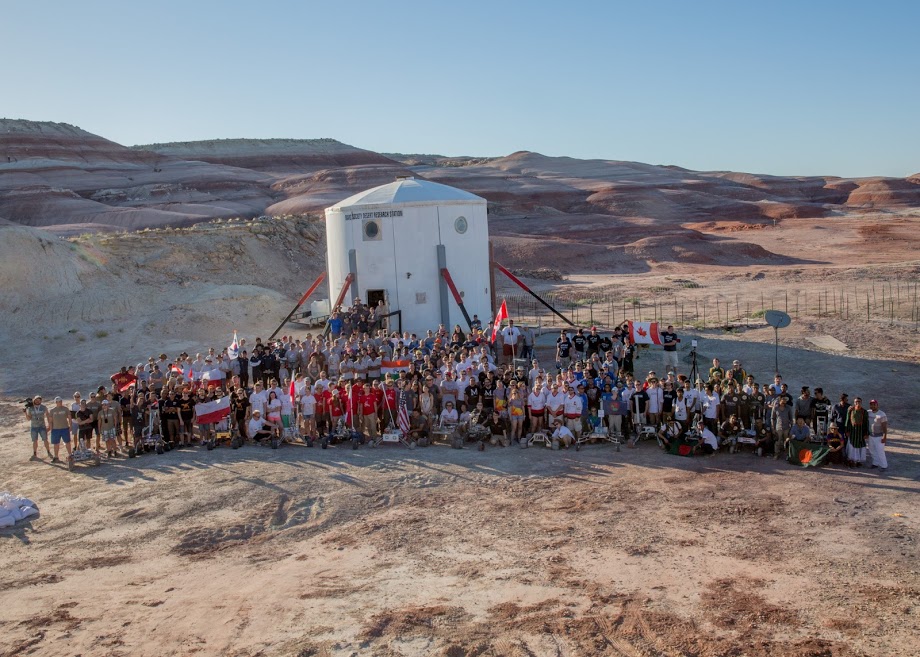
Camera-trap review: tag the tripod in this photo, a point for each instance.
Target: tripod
(694, 369)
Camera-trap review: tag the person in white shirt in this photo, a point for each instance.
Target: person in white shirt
(555, 404)
(563, 434)
(449, 416)
(572, 409)
(536, 409)
(681, 414)
(708, 444)
(307, 414)
(257, 429)
(878, 436)
(511, 335)
(258, 398)
(710, 403)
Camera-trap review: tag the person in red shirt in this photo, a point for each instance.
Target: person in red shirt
(337, 408)
(323, 397)
(369, 408)
(123, 379)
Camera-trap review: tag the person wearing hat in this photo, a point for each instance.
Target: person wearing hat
(835, 443)
(37, 413)
(878, 436)
(59, 422)
(257, 428)
(737, 373)
(563, 434)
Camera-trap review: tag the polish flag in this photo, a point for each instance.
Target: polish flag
(499, 318)
(644, 333)
(393, 366)
(234, 349)
(176, 370)
(212, 412)
(292, 391)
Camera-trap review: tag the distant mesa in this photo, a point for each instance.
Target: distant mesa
(63, 179)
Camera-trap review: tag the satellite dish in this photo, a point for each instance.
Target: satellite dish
(777, 319)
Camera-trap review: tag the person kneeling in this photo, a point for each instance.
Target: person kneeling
(563, 435)
(708, 443)
(258, 428)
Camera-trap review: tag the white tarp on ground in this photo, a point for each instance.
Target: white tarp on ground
(14, 508)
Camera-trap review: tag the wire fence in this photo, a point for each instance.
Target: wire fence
(892, 302)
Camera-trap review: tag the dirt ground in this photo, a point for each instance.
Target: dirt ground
(503, 552)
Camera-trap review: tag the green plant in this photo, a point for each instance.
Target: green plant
(632, 300)
(101, 334)
(758, 314)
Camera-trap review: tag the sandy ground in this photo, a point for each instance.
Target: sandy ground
(440, 552)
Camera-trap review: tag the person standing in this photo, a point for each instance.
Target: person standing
(38, 425)
(857, 428)
(783, 420)
(108, 423)
(878, 436)
(511, 335)
(669, 340)
(59, 421)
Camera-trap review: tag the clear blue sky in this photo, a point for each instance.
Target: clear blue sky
(806, 87)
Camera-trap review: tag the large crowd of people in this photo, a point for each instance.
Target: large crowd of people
(361, 376)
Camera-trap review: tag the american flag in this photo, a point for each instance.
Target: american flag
(402, 416)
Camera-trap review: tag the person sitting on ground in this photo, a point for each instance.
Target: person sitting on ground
(835, 444)
(800, 431)
(418, 426)
(731, 427)
(563, 434)
(257, 428)
(763, 438)
(669, 432)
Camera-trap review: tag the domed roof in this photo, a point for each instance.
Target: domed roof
(410, 190)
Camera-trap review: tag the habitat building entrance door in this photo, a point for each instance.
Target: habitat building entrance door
(374, 297)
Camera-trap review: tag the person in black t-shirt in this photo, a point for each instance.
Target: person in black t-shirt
(606, 344)
(579, 343)
(820, 412)
(563, 350)
(169, 411)
(593, 342)
(669, 341)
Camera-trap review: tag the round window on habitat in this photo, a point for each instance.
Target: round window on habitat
(460, 225)
(371, 230)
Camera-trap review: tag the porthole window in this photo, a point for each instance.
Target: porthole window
(460, 225)
(371, 230)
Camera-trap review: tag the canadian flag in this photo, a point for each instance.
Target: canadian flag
(644, 333)
(499, 318)
(212, 412)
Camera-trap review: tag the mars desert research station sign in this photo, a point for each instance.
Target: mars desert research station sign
(374, 215)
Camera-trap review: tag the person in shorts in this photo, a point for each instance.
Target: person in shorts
(108, 428)
(38, 425)
(84, 420)
(59, 422)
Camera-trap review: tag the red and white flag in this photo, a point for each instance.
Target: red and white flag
(394, 366)
(292, 391)
(644, 333)
(212, 412)
(176, 370)
(234, 349)
(499, 318)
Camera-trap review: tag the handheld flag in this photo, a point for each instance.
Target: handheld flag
(293, 393)
(234, 349)
(499, 318)
(644, 333)
(212, 412)
(402, 417)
